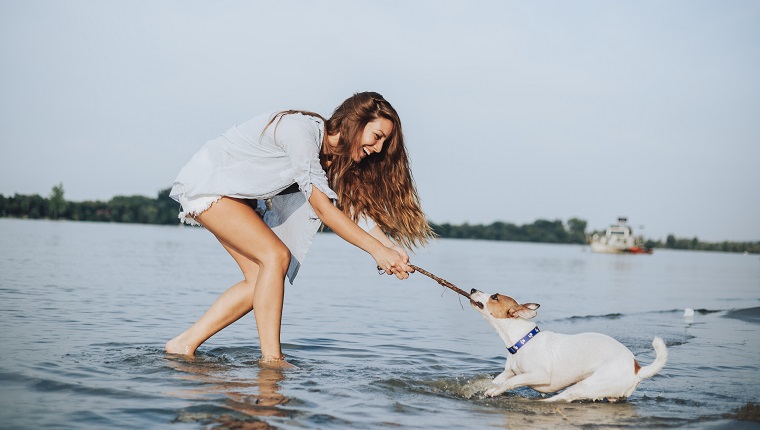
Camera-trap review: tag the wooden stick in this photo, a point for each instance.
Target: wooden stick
(443, 282)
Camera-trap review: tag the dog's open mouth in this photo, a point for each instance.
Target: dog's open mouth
(476, 304)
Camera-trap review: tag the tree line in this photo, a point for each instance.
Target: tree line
(694, 244)
(163, 210)
(125, 209)
(539, 231)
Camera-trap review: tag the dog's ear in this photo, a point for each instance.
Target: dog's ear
(526, 311)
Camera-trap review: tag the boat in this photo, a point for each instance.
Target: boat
(618, 239)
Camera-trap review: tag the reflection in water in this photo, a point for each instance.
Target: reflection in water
(522, 408)
(534, 414)
(245, 399)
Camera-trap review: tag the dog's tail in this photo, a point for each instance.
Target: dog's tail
(659, 362)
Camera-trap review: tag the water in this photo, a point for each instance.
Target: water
(85, 309)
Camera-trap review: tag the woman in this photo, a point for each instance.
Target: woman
(264, 187)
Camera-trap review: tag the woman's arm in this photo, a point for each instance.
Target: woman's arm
(388, 259)
(378, 234)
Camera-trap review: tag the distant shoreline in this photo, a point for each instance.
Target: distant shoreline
(473, 232)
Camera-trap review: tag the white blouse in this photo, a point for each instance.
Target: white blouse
(247, 164)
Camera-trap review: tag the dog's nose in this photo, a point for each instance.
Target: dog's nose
(473, 291)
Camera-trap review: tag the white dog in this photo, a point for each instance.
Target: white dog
(590, 366)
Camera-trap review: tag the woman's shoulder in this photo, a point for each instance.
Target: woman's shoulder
(296, 119)
(297, 124)
(284, 122)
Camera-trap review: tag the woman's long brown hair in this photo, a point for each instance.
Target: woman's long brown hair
(380, 186)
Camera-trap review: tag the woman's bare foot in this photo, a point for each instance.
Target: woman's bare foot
(177, 346)
(276, 363)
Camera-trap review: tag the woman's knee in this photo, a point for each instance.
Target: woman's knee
(277, 257)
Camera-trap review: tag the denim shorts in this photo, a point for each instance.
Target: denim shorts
(194, 206)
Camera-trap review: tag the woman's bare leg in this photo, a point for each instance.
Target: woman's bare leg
(241, 230)
(232, 305)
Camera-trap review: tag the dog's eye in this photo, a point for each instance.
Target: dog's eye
(495, 297)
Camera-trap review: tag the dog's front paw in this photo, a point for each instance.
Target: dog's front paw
(493, 392)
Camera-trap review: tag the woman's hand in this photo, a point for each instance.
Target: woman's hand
(402, 252)
(393, 260)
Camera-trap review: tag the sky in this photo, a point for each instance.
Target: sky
(512, 111)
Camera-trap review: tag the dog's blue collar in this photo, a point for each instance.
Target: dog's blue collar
(513, 349)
